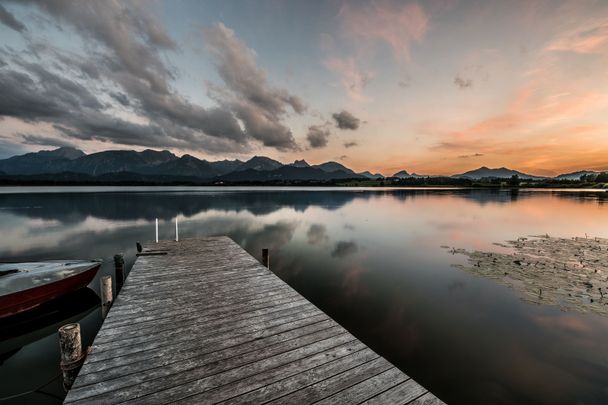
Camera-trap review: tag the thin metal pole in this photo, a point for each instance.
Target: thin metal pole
(156, 230)
(176, 231)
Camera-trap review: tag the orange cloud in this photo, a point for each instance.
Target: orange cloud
(353, 79)
(396, 24)
(592, 37)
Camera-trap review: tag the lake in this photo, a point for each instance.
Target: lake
(373, 259)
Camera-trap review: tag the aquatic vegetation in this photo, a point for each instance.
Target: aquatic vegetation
(571, 273)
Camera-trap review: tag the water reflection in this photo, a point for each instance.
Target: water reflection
(24, 336)
(370, 258)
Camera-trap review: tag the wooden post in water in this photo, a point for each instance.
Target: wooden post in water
(265, 258)
(106, 295)
(119, 265)
(70, 345)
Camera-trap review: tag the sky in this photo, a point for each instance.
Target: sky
(432, 87)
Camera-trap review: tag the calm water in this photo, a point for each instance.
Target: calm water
(372, 259)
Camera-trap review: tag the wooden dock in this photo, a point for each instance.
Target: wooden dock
(207, 323)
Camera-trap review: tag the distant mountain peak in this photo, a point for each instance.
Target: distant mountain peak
(66, 152)
(370, 175)
(261, 163)
(333, 166)
(300, 163)
(402, 174)
(499, 173)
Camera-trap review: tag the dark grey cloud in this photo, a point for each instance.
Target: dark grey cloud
(8, 19)
(470, 156)
(23, 98)
(122, 98)
(37, 95)
(127, 30)
(345, 120)
(69, 63)
(344, 248)
(350, 144)
(317, 136)
(317, 234)
(65, 89)
(126, 49)
(463, 83)
(247, 92)
(32, 139)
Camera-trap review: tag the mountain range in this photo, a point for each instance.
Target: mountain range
(164, 164)
(501, 173)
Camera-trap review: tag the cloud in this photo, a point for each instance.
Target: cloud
(31, 139)
(122, 98)
(317, 136)
(470, 75)
(462, 82)
(317, 234)
(470, 156)
(350, 144)
(131, 34)
(8, 19)
(248, 94)
(345, 120)
(124, 52)
(353, 79)
(343, 249)
(395, 24)
(126, 49)
(589, 38)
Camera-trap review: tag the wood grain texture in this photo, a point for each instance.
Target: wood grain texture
(207, 323)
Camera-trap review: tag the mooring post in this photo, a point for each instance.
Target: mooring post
(265, 258)
(176, 230)
(70, 345)
(106, 295)
(119, 265)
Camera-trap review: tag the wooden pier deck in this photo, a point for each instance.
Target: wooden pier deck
(207, 323)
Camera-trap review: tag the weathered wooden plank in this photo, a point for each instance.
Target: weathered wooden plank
(138, 384)
(214, 349)
(270, 375)
(334, 384)
(194, 378)
(367, 389)
(399, 394)
(254, 324)
(242, 335)
(304, 379)
(207, 323)
(207, 291)
(426, 399)
(256, 306)
(208, 308)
